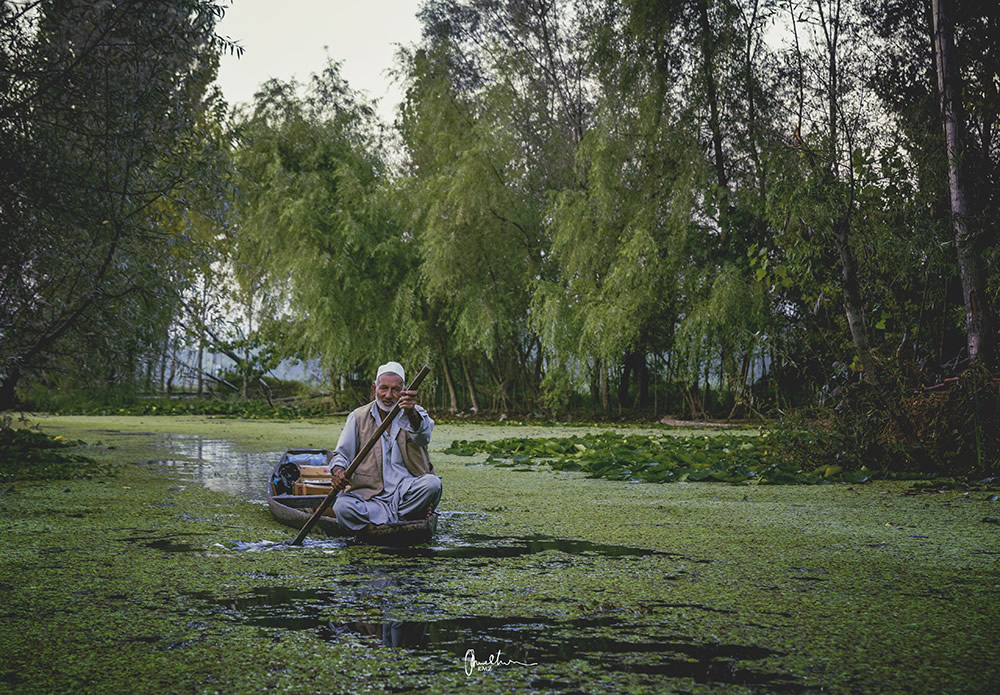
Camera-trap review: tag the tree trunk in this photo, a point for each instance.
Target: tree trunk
(472, 388)
(635, 371)
(452, 396)
(171, 374)
(536, 384)
(201, 345)
(739, 386)
(708, 389)
(243, 387)
(978, 320)
(8, 397)
(163, 366)
(201, 365)
(605, 405)
(500, 382)
(624, 380)
(656, 400)
(722, 179)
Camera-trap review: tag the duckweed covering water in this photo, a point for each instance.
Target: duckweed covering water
(149, 582)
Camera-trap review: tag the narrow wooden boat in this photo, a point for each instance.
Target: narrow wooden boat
(294, 495)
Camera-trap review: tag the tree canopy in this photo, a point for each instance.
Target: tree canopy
(102, 110)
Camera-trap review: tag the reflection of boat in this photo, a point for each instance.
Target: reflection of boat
(301, 481)
(394, 633)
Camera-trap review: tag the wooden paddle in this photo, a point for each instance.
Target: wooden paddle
(386, 421)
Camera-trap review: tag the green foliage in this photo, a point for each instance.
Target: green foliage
(259, 354)
(729, 322)
(557, 390)
(958, 420)
(29, 455)
(241, 408)
(103, 109)
(64, 394)
(316, 223)
(73, 398)
(721, 458)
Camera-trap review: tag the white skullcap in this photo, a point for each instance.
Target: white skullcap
(391, 368)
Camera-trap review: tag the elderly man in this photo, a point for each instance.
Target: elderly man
(395, 481)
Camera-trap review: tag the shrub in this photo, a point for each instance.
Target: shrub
(29, 455)
(958, 421)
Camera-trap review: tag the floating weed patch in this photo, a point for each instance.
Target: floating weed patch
(658, 459)
(29, 455)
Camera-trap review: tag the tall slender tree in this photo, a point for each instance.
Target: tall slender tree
(980, 328)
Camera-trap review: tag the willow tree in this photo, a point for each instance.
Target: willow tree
(317, 219)
(492, 112)
(477, 228)
(619, 243)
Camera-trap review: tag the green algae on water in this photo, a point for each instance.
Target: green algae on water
(133, 582)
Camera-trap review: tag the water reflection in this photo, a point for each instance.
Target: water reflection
(615, 643)
(393, 633)
(217, 465)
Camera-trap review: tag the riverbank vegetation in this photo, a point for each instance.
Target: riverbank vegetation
(27, 454)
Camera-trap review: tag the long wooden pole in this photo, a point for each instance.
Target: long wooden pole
(386, 421)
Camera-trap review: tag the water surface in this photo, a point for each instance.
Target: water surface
(416, 584)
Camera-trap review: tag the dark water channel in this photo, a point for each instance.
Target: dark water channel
(639, 647)
(610, 643)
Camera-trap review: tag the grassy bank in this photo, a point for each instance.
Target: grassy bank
(135, 582)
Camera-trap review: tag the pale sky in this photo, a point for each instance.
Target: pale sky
(285, 39)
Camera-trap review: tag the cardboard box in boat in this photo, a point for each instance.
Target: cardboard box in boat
(314, 472)
(311, 486)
